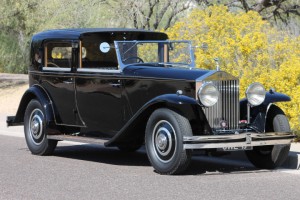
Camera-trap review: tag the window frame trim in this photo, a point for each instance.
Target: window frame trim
(45, 61)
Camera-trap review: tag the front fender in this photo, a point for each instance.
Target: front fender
(272, 97)
(34, 92)
(259, 113)
(134, 129)
(173, 99)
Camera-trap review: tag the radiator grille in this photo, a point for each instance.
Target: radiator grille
(227, 108)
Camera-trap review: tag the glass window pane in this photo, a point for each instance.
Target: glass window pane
(58, 54)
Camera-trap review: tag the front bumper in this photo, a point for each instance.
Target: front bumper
(249, 139)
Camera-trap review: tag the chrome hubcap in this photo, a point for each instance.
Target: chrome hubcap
(36, 126)
(161, 141)
(164, 141)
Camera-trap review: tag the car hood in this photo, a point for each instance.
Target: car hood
(178, 73)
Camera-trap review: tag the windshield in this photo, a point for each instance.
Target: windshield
(170, 53)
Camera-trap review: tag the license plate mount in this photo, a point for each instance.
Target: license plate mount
(243, 148)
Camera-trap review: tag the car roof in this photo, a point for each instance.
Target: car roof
(75, 34)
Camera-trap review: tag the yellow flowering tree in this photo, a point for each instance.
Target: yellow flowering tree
(249, 48)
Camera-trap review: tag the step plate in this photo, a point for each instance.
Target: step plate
(82, 139)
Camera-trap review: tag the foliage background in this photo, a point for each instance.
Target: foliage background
(256, 40)
(248, 48)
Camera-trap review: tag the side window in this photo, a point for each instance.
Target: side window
(58, 55)
(98, 54)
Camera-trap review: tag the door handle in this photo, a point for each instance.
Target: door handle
(68, 82)
(115, 84)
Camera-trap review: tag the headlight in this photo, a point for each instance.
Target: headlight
(208, 94)
(256, 94)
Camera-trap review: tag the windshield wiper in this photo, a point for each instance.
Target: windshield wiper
(144, 64)
(175, 64)
(135, 43)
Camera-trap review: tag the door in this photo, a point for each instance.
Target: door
(59, 81)
(100, 103)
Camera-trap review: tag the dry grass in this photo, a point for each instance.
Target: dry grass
(12, 88)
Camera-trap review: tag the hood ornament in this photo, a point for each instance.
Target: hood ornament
(217, 63)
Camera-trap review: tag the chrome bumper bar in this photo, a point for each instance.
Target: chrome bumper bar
(249, 139)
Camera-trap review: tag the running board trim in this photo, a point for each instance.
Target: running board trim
(82, 139)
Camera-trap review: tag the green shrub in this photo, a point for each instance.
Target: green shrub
(14, 57)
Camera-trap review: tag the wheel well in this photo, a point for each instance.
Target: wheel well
(135, 132)
(35, 92)
(138, 134)
(194, 114)
(144, 117)
(271, 113)
(23, 105)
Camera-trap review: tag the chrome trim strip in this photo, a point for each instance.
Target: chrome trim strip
(216, 75)
(267, 111)
(210, 73)
(236, 136)
(250, 139)
(59, 69)
(236, 144)
(98, 70)
(89, 140)
(123, 77)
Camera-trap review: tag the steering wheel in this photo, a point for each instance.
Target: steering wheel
(53, 64)
(138, 59)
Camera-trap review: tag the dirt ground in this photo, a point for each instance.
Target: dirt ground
(12, 88)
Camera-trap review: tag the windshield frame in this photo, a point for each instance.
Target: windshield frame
(136, 42)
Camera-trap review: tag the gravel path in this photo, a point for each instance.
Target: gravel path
(11, 80)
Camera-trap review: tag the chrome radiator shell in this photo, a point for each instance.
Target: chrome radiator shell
(227, 109)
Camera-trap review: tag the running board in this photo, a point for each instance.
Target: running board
(82, 139)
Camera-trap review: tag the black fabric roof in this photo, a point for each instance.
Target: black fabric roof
(77, 33)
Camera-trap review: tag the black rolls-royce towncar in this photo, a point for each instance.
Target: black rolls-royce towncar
(126, 88)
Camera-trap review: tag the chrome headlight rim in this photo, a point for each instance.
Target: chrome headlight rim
(256, 94)
(205, 98)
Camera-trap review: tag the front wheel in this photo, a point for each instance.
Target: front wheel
(270, 157)
(34, 128)
(164, 141)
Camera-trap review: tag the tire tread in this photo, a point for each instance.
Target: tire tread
(277, 122)
(185, 155)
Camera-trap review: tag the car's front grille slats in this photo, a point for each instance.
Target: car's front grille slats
(227, 108)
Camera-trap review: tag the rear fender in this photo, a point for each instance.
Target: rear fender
(35, 92)
(134, 129)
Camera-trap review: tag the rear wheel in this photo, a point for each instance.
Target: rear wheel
(270, 157)
(164, 141)
(34, 128)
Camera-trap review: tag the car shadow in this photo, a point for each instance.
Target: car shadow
(221, 163)
(201, 164)
(101, 154)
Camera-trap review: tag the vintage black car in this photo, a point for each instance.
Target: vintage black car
(126, 88)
